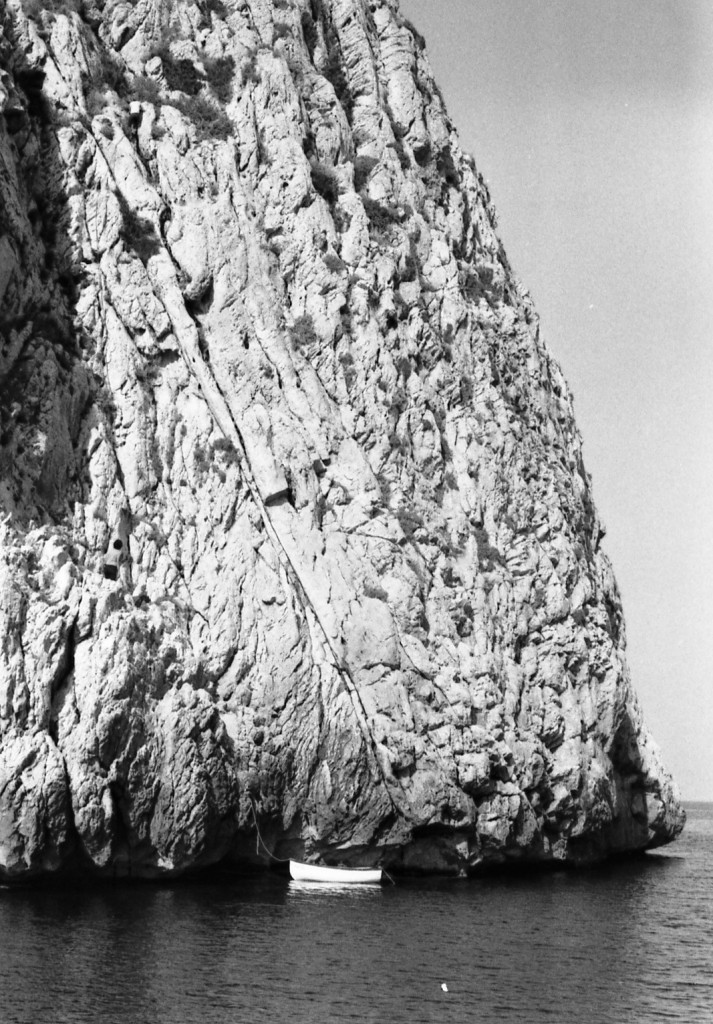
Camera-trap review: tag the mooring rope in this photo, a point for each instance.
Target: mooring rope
(260, 841)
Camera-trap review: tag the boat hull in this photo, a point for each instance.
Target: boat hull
(319, 873)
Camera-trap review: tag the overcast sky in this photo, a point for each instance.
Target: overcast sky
(592, 121)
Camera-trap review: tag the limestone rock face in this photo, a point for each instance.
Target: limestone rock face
(296, 533)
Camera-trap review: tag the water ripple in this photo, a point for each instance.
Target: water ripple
(631, 943)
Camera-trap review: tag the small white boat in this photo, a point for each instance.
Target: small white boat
(319, 873)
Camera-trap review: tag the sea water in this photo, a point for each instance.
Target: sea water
(632, 942)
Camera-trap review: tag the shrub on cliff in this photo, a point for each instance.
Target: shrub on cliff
(303, 332)
(418, 38)
(225, 447)
(346, 361)
(363, 166)
(333, 262)
(410, 520)
(334, 73)
(324, 179)
(250, 72)
(382, 218)
(146, 90)
(219, 72)
(209, 120)
(138, 232)
(281, 30)
(34, 9)
(409, 268)
(309, 31)
(181, 74)
(217, 7)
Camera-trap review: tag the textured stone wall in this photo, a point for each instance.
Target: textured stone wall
(296, 527)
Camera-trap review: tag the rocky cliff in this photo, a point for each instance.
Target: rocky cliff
(296, 532)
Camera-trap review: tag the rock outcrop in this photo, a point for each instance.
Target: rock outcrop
(296, 532)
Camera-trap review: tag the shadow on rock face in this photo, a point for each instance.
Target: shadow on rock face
(47, 392)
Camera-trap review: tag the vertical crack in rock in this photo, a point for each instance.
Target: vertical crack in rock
(294, 514)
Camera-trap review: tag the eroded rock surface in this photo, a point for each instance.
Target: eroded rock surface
(296, 528)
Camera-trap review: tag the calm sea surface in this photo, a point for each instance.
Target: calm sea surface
(626, 944)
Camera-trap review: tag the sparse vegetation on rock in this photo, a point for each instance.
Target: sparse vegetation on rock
(358, 594)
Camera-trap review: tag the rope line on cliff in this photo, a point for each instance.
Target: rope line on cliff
(224, 418)
(259, 841)
(291, 569)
